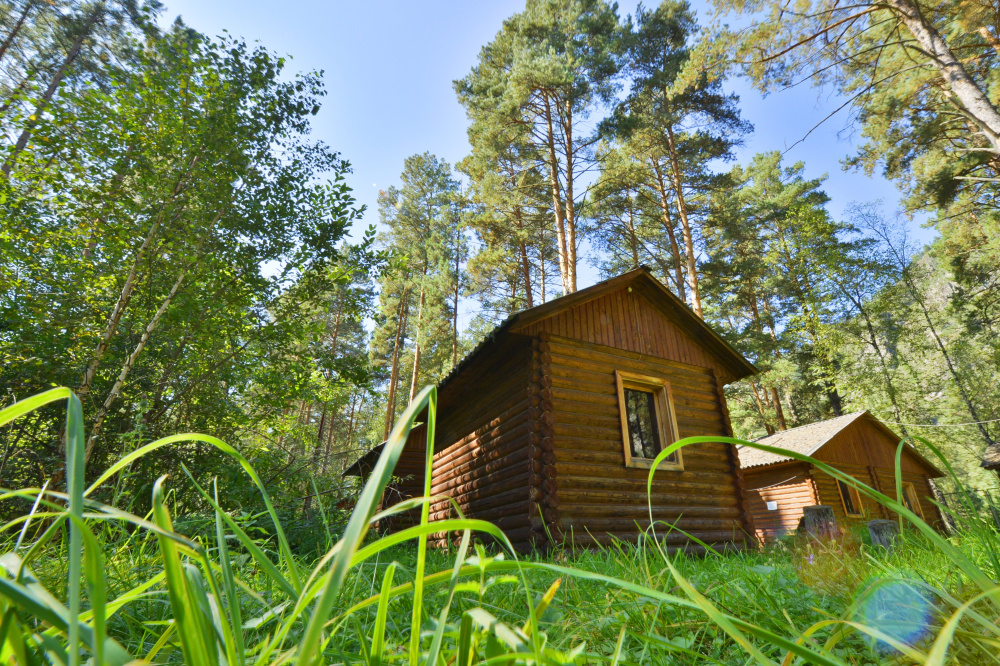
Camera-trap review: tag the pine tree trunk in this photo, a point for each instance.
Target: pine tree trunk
(668, 225)
(791, 405)
(454, 318)
(776, 403)
(328, 444)
(526, 270)
(973, 101)
(692, 268)
(760, 407)
(401, 318)
(350, 425)
(557, 207)
(541, 264)
(633, 242)
(315, 456)
(570, 204)
(525, 264)
(833, 395)
(416, 346)
(336, 326)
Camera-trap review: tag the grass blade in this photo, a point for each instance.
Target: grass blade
(237, 652)
(377, 658)
(418, 590)
(75, 451)
(357, 527)
(283, 547)
(184, 612)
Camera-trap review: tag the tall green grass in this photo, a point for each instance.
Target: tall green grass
(83, 582)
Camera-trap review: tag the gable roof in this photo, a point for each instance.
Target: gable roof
(810, 438)
(991, 457)
(662, 298)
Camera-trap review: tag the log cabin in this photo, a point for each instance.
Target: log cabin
(991, 458)
(778, 487)
(548, 428)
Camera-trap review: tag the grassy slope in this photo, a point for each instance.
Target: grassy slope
(224, 597)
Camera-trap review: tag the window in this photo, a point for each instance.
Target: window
(647, 418)
(850, 498)
(911, 500)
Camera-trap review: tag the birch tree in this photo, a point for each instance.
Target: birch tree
(134, 264)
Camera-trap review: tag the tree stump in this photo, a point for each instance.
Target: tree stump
(883, 533)
(819, 522)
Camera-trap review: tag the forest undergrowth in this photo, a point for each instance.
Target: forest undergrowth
(86, 582)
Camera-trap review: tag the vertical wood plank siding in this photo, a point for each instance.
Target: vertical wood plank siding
(625, 320)
(865, 444)
(598, 497)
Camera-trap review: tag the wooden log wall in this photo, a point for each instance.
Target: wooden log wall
(408, 480)
(747, 517)
(488, 451)
(799, 485)
(597, 497)
(790, 486)
(543, 508)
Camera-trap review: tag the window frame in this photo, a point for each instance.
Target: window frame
(911, 492)
(855, 499)
(665, 417)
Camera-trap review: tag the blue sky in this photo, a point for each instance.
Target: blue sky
(389, 67)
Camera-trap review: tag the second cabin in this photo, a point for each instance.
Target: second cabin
(858, 444)
(549, 427)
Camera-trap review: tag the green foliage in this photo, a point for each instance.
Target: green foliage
(549, 68)
(417, 337)
(168, 236)
(775, 257)
(922, 80)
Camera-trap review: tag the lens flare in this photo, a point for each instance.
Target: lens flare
(898, 609)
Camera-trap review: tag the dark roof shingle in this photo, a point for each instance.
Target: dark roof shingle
(810, 438)
(805, 439)
(991, 458)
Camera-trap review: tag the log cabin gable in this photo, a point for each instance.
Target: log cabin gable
(636, 318)
(867, 441)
